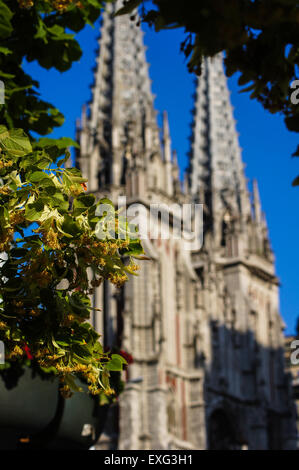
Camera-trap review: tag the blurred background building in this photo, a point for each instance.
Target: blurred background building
(291, 345)
(203, 326)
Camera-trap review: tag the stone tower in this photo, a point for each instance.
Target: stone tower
(203, 326)
(241, 331)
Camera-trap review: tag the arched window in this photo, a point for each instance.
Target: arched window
(223, 233)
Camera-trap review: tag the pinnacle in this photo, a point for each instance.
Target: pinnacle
(215, 152)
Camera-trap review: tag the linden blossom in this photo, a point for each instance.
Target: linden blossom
(114, 460)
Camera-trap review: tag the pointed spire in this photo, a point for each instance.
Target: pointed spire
(167, 155)
(121, 110)
(175, 162)
(176, 173)
(216, 167)
(257, 203)
(186, 184)
(166, 138)
(84, 115)
(78, 127)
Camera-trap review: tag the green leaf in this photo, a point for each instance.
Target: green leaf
(78, 303)
(18, 252)
(135, 249)
(43, 162)
(98, 348)
(82, 351)
(120, 358)
(130, 6)
(70, 227)
(63, 160)
(62, 143)
(74, 176)
(5, 23)
(34, 211)
(50, 190)
(14, 142)
(105, 200)
(115, 364)
(104, 380)
(296, 153)
(83, 202)
(292, 123)
(70, 381)
(41, 31)
(38, 176)
(296, 181)
(16, 335)
(5, 51)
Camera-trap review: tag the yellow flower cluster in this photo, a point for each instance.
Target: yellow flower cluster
(61, 5)
(94, 389)
(110, 248)
(69, 319)
(5, 164)
(5, 190)
(42, 353)
(123, 244)
(65, 391)
(81, 368)
(45, 358)
(34, 312)
(92, 378)
(50, 238)
(60, 260)
(19, 309)
(133, 267)
(34, 272)
(90, 374)
(75, 190)
(6, 239)
(85, 240)
(47, 361)
(26, 3)
(109, 391)
(17, 352)
(64, 369)
(117, 279)
(16, 217)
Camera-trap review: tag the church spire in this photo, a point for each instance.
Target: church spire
(121, 113)
(167, 155)
(216, 168)
(257, 203)
(166, 138)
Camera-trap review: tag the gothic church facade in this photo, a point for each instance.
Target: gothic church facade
(203, 326)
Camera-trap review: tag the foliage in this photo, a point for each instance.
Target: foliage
(49, 232)
(42, 31)
(48, 224)
(260, 39)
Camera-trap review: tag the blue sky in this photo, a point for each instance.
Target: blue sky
(267, 145)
